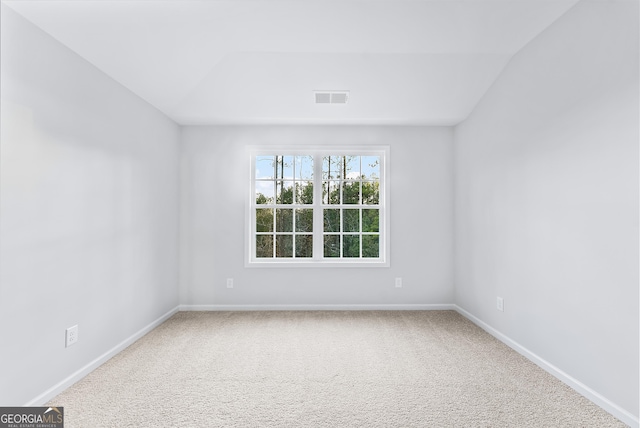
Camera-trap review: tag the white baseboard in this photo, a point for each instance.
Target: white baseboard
(355, 307)
(581, 388)
(75, 377)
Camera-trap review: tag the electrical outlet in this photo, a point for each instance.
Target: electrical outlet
(500, 304)
(398, 282)
(71, 336)
(229, 282)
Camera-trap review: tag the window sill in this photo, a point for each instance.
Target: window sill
(317, 264)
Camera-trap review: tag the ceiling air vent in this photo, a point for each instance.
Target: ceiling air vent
(331, 97)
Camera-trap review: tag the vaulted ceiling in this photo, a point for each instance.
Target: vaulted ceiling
(424, 62)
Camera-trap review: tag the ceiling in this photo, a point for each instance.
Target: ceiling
(408, 62)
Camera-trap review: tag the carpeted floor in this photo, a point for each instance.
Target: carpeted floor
(323, 369)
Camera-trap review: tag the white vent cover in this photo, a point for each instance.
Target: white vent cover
(331, 97)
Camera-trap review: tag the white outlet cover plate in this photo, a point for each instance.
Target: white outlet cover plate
(71, 336)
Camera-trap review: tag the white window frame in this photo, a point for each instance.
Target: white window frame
(318, 259)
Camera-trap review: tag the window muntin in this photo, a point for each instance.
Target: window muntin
(318, 207)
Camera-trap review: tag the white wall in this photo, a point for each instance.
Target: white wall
(215, 168)
(88, 212)
(546, 193)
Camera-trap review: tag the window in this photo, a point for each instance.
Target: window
(318, 207)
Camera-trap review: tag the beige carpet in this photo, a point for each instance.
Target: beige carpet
(323, 369)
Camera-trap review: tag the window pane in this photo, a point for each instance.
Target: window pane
(351, 167)
(370, 220)
(304, 192)
(304, 167)
(332, 220)
(264, 246)
(331, 192)
(370, 246)
(351, 193)
(265, 167)
(264, 220)
(284, 192)
(371, 192)
(370, 167)
(264, 192)
(284, 220)
(284, 245)
(331, 167)
(284, 167)
(351, 220)
(304, 220)
(304, 246)
(351, 245)
(332, 245)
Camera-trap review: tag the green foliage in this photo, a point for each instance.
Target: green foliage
(284, 245)
(351, 245)
(264, 246)
(284, 193)
(264, 220)
(304, 193)
(351, 220)
(351, 192)
(370, 220)
(304, 220)
(370, 246)
(332, 220)
(304, 246)
(284, 220)
(370, 192)
(262, 199)
(332, 245)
